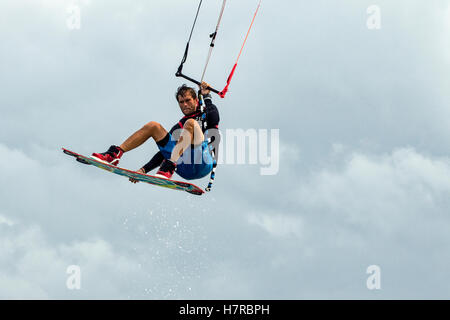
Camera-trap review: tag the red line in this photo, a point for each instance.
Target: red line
(245, 40)
(225, 90)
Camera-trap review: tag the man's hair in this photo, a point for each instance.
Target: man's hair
(181, 91)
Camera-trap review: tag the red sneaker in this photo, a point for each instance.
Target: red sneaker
(166, 170)
(111, 156)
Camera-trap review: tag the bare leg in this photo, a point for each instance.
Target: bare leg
(191, 134)
(152, 129)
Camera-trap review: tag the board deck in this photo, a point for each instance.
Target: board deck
(166, 183)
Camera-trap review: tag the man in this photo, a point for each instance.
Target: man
(189, 132)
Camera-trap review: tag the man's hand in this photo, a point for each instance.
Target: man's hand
(203, 89)
(141, 170)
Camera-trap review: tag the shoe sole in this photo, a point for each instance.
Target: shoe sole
(113, 163)
(161, 176)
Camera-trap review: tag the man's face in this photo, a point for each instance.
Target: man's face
(187, 103)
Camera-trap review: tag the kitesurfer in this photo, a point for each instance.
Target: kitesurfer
(195, 131)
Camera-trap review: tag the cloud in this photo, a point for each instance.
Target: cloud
(277, 225)
(378, 99)
(6, 221)
(34, 268)
(389, 209)
(385, 208)
(380, 188)
(71, 214)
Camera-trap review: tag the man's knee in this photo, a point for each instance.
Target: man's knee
(190, 125)
(193, 127)
(152, 126)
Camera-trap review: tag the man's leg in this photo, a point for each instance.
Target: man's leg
(114, 153)
(191, 134)
(152, 129)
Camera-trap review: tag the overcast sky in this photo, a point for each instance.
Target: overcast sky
(364, 132)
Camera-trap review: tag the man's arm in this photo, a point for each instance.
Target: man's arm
(212, 120)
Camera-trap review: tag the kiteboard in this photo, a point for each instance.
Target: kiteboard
(166, 183)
